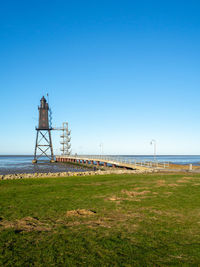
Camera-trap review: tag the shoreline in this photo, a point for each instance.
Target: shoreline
(70, 174)
(99, 171)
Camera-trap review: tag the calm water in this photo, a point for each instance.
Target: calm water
(23, 164)
(187, 159)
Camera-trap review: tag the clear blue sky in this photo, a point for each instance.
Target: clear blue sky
(120, 72)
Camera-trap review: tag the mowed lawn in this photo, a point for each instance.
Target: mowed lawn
(111, 220)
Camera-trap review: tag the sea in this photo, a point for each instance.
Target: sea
(10, 164)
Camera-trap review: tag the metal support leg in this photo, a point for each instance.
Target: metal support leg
(51, 147)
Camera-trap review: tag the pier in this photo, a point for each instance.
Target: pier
(114, 162)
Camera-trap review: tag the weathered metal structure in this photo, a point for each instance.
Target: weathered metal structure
(65, 139)
(43, 145)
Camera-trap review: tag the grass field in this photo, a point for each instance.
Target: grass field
(113, 220)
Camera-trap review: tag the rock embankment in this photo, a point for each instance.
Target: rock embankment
(65, 174)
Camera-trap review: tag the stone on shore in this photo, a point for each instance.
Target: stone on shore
(65, 174)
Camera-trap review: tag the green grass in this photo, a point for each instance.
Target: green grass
(136, 220)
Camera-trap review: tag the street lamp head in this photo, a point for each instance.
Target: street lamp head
(152, 141)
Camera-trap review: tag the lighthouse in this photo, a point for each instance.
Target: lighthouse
(43, 144)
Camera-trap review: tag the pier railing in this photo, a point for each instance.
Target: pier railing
(122, 160)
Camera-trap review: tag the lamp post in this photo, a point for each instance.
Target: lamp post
(153, 142)
(101, 150)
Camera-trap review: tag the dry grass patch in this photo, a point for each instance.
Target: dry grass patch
(167, 193)
(174, 185)
(90, 224)
(115, 198)
(98, 223)
(135, 193)
(182, 181)
(141, 188)
(110, 220)
(160, 183)
(131, 195)
(169, 214)
(91, 184)
(27, 224)
(80, 212)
